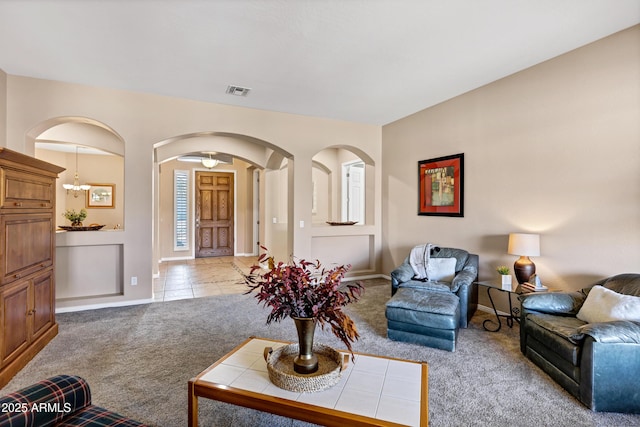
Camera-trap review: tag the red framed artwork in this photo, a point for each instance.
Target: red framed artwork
(441, 186)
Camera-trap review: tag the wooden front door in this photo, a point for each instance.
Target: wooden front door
(214, 214)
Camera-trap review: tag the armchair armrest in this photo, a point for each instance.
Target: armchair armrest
(618, 331)
(64, 393)
(401, 274)
(553, 302)
(465, 277)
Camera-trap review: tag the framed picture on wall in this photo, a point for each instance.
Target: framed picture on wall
(441, 186)
(101, 196)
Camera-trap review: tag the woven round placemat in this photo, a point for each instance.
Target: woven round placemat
(280, 367)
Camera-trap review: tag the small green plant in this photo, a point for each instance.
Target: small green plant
(75, 217)
(504, 270)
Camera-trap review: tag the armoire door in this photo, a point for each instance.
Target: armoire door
(16, 320)
(214, 214)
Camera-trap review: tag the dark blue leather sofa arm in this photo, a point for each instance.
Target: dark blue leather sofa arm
(568, 303)
(609, 376)
(619, 331)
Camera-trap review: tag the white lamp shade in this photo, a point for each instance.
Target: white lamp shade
(524, 244)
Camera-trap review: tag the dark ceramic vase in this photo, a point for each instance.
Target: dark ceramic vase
(305, 362)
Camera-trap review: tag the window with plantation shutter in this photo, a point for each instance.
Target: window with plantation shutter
(181, 210)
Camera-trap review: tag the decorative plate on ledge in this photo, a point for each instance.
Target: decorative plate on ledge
(89, 228)
(342, 223)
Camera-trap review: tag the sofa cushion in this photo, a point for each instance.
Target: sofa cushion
(556, 332)
(604, 305)
(563, 326)
(627, 284)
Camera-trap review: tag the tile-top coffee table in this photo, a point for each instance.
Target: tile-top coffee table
(373, 390)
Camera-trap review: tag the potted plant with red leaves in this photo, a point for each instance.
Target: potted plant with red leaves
(309, 294)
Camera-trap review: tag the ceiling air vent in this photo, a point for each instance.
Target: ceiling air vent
(238, 90)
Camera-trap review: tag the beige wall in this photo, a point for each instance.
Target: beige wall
(144, 121)
(3, 108)
(554, 149)
(565, 131)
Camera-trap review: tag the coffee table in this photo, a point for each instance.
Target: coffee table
(373, 391)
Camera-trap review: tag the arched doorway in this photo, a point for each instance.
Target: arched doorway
(343, 183)
(243, 163)
(95, 152)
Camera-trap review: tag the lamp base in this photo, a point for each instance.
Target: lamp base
(524, 269)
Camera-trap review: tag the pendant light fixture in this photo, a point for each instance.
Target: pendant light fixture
(209, 163)
(76, 188)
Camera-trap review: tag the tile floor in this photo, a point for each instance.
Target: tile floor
(201, 277)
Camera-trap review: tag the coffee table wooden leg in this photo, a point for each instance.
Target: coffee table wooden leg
(193, 406)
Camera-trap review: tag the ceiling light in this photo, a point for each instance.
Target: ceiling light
(209, 163)
(237, 90)
(197, 157)
(76, 188)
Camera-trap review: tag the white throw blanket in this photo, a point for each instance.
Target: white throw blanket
(419, 260)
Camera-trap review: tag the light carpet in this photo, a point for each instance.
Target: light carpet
(138, 361)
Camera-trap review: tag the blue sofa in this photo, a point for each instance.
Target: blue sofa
(598, 362)
(62, 400)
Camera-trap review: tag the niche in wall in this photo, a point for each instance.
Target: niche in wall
(94, 167)
(100, 160)
(342, 185)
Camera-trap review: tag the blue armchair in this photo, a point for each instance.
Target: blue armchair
(431, 312)
(463, 284)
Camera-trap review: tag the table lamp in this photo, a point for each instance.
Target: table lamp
(524, 245)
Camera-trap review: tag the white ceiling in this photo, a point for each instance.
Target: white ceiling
(370, 61)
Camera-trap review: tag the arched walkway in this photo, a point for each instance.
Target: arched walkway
(253, 161)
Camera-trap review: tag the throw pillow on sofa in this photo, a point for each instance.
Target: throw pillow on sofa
(605, 305)
(441, 269)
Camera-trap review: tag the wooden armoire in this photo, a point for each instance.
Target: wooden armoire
(27, 250)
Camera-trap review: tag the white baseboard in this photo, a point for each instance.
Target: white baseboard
(490, 310)
(175, 258)
(363, 277)
(190, 257)
(103, 305)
